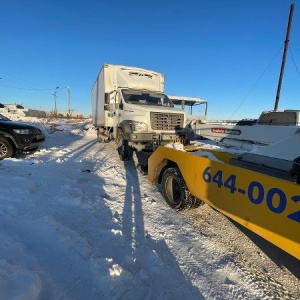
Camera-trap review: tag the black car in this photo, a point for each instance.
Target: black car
(16, 136)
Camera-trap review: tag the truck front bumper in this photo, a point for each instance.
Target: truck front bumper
(154, 137)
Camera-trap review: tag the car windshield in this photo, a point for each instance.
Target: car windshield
(2, 118)
(146, 98)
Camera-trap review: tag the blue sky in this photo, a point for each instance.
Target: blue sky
(227, 52)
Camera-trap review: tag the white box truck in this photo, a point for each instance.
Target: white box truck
(129, 105)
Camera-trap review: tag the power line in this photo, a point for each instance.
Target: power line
(293, 60)
(29, 89)
(255, 84)
(295, 47)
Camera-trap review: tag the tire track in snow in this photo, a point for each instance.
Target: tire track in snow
(258, 270)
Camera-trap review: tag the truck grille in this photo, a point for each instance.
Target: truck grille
(163, 121)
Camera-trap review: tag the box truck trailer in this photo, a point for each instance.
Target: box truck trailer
(130, 107)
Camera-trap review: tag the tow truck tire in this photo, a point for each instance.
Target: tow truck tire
(124, 150)
(6, 148)
(173, 188)
(175, 192)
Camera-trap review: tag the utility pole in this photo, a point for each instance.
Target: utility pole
(68, 99)
(69, 107)
(54, 94)
(55, 110)
(286, 44)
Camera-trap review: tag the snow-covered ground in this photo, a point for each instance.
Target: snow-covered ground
(77, 223)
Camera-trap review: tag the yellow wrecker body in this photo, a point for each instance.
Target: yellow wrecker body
(267, 205)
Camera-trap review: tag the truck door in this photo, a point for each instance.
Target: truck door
(116, 109)
(118, 104)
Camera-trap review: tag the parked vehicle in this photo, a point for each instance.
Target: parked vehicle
(16, 136)
(196, 109)
(129, 105)
(271, 126)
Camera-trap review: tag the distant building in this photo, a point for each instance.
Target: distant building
(35, 113)
(19, 109)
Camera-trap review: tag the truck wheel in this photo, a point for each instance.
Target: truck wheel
(175, 192)
(6, 148)
(99, 138)
(124, 150)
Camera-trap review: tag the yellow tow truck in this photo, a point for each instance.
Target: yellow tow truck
(261, 191)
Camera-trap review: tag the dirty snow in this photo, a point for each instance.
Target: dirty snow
(77, 223)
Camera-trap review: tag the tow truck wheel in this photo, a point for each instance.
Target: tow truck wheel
(6, 148)
(173, 188)
(175, 192)
(124, 150)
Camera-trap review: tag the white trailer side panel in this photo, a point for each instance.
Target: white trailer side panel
(98, 96)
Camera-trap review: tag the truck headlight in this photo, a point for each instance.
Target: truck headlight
(21, 131)
(138, 126)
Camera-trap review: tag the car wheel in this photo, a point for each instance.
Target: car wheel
(175, 192)
(6, 148)
(124, 150)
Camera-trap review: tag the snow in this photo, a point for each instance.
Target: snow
(77, 223)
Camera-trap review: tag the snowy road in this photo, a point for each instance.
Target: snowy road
(77, 223)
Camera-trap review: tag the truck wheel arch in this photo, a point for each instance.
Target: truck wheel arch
(125, 127)
(165, 164)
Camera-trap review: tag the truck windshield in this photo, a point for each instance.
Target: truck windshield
(146, 98)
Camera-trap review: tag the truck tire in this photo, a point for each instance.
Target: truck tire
(175, 192)
(124, 150)
(99, 137)
(6, 148)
